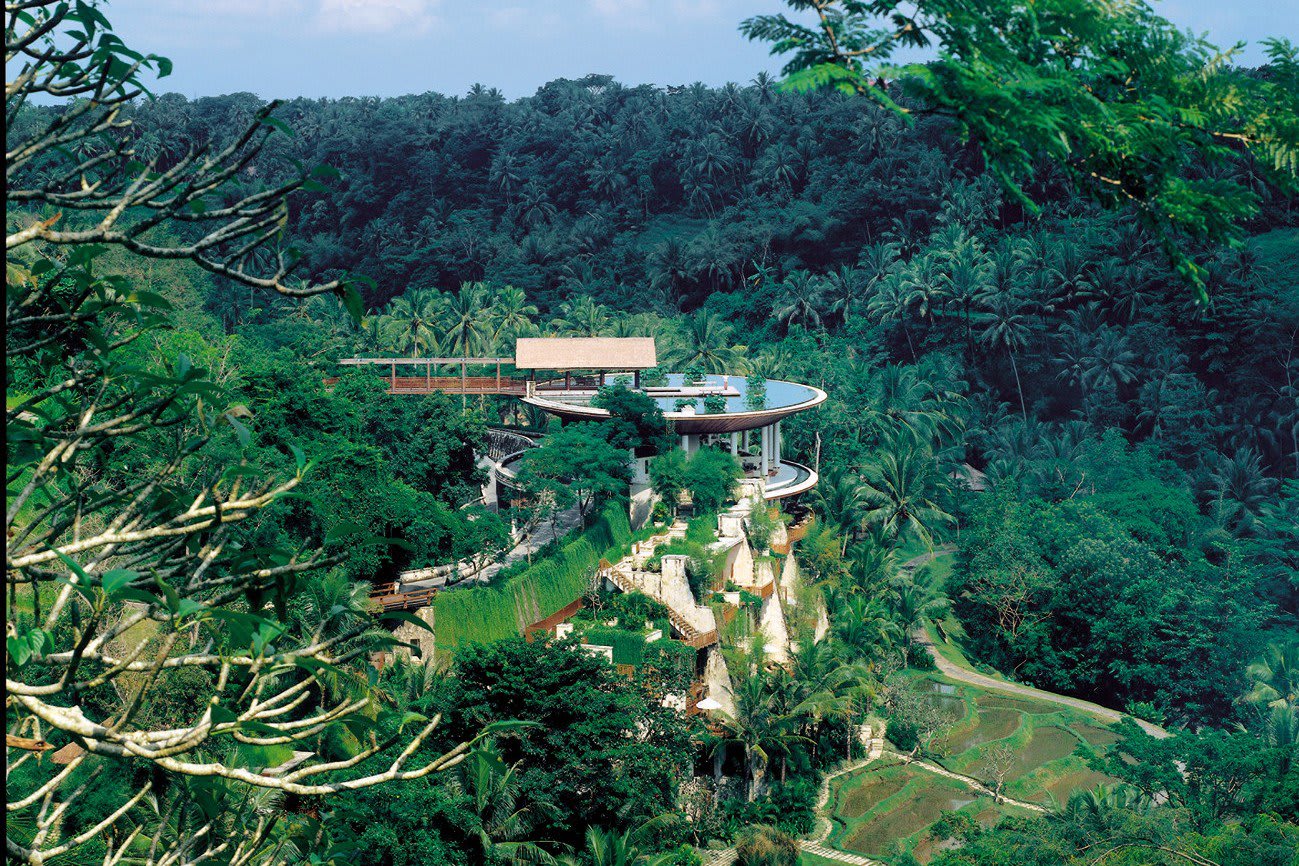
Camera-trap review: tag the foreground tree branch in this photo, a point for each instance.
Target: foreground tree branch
(134, 566)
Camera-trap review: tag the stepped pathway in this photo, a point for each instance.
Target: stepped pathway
(626, 577)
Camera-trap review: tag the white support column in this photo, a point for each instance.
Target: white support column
(735, 444)
(776, 436)
(762, 447)
(685, 444)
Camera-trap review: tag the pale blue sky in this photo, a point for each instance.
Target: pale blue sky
(284, 48)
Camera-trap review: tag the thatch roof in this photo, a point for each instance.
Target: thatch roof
(585, 353)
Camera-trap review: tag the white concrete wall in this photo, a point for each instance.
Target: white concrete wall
(774, 630)
(742, 566)
(717, 679)
(730, 524)
(672, 587)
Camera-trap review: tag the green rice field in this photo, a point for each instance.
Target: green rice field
(888, 808)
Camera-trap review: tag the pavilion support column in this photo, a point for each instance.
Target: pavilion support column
(685, 444)
(763, 449)
(428, 376)
(392, 379)
(498, 374)
(735, 444)
(567, 381)
(776, 437)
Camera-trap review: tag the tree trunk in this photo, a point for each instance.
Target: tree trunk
(1018, 386)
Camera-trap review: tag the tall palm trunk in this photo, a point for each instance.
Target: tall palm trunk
(1018, 387)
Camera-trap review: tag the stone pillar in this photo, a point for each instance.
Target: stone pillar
(735, 444)
(776, 434)
(685, 444)
(765, 451)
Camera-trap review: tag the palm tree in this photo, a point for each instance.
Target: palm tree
(411, 321)
(800, 301)
(511, 314)
(670, 269)
(468, 328)
(492, 789)
(914, 599)
(864, 629)
(702, 341)
(1275, 676)
(845, 288)
(1006, 324)
(755, 728)
(611, 848)
(581, 317)
(902, 485)
(1242, 488)
(840, 501)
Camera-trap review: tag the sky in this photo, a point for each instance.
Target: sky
(315, 48)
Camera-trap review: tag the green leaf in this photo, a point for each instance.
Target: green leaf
(117, 579)
(242, 433)
(403, 616)
(341, 530)
(277, 124)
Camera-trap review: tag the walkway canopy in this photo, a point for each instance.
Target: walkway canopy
(585, 353)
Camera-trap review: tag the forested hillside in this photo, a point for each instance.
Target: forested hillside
(817, 237)
(1040, 444)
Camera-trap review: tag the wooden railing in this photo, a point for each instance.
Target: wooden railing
(393, 599)
(449, 385)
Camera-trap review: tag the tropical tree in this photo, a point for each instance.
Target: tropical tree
(992, 84)
(704, 341)
(467, 323)
(413, 322)
(511, 316)
(1006, 324)
(1275, 676)
(148, 622)
(492, 788)
(801, 300)
(903, 486)
(755, 728)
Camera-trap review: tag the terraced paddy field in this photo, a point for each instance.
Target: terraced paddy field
(889, 807)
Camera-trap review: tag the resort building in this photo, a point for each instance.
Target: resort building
(722, 410)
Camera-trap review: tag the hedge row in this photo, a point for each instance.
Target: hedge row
(628, 647)
(490, 613)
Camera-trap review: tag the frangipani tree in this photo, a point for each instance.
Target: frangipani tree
(160, 642)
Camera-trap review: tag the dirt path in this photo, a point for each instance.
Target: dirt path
(974, 678)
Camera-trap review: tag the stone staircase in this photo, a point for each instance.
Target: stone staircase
(627, 576)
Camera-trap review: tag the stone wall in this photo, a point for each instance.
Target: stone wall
(717, 679)
(409, 633)
(774, 630)
(672, 587)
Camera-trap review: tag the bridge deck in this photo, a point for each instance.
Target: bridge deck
(449, 385)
